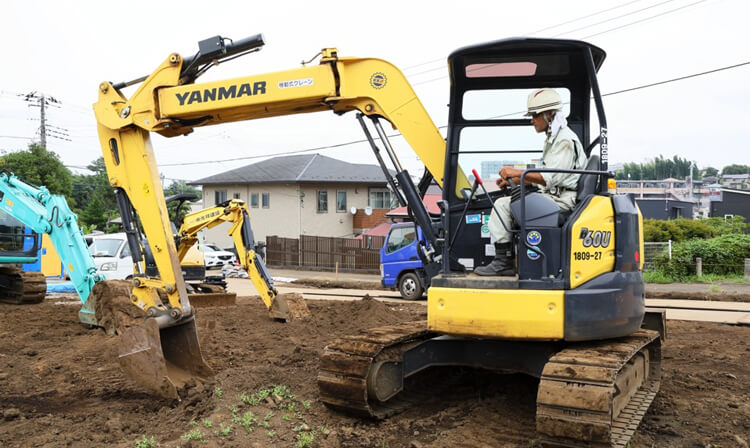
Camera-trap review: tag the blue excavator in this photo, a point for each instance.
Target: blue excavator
(44, 213)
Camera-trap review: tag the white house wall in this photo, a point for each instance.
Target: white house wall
(288, 215)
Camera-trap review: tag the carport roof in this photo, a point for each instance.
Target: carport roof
(307, 168)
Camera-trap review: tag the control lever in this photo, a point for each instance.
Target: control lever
(479, 181)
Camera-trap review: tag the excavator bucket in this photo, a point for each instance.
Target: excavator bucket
(163, 361)
(289, 307)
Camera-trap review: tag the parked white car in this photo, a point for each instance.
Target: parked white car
(216, 257)
(112, 255)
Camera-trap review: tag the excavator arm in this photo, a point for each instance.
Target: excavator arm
(170, 103)
(281, 307)
(49, 214)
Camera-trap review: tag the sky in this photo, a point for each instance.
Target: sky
(65, 49)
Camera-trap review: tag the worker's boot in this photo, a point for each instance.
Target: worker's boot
(502, 265)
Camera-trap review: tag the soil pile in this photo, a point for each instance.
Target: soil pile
(61, 385)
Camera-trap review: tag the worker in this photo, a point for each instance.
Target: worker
(562, 150)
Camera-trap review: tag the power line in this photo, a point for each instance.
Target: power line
(578, 19)
(585, 27)
(645, 19)
(615, 18)
(322, 148)
(678, 79)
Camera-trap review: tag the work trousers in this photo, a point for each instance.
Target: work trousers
(566, 201)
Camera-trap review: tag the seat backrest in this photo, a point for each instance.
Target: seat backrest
(587, 182)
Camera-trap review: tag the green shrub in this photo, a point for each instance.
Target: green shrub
(681, 229)
(723, 255)
(722, 226)
(692, 228)
(657, 230)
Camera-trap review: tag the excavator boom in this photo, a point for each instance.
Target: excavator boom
(284, 307)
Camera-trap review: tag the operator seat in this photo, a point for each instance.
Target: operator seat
(586, 187)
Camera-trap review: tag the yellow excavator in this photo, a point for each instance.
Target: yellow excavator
(574, 316)
(283, 307)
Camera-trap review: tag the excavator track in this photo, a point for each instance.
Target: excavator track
(22, 287)
(345, 366)
(591, 394)
(595, 394)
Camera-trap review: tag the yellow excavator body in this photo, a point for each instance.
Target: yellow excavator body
(571, 316)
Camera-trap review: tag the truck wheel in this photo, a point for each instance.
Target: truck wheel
(410, 287)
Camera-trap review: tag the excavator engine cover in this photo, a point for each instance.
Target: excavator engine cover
(289, 307)
(165, 360)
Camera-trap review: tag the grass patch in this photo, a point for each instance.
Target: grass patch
(207, 423)
(661, 277)
(218, 392)
(225, 430)
(247, 421)
(146, 442)
(305, 439)
(271, 434)
(193, 434)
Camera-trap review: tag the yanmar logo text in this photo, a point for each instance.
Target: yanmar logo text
(221, 93)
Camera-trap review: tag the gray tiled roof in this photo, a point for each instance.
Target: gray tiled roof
(298, 169)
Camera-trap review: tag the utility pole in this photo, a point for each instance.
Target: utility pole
(40, 100)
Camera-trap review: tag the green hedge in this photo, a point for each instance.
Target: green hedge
(683, 229)
(723, 255)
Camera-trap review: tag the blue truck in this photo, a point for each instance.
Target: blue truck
(400, 264)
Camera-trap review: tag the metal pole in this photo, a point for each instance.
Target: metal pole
(43, 127)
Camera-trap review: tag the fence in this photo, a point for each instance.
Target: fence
(321, 252)
(653, 250)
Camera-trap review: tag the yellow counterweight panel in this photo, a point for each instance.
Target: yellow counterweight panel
(497, 313)
(592, 248)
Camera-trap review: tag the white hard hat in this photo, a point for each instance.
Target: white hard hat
(542, 100)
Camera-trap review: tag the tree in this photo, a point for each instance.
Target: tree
(40, 167)
(736, 169)
(710, 172)
(658, 168)
(95, 196)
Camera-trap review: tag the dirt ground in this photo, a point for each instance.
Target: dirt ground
(61, 386)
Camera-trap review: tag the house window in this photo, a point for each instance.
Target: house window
(236, 195)
(220, 196)
(322, 201)
(254, 200)
(381, 198)
(341, 201)
(266, 198)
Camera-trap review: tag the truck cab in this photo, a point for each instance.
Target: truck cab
(400, 264)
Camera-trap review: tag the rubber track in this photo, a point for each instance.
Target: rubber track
(345, 363)
(26, 287)
(583, 385)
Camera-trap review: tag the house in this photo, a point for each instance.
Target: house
(735, 181)
(728, 201)
(297, 195)
(653, 208)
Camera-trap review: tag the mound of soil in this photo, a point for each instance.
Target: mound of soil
(61, 386)
(113, 308)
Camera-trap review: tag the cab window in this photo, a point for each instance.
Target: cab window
(400, 237)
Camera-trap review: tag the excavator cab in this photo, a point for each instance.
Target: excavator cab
(573, 315)
(579, 253)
